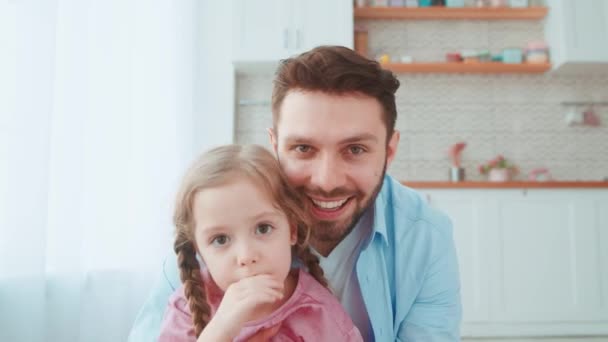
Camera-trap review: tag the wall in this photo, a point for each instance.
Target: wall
(519, 116)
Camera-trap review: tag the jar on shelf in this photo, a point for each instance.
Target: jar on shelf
(537, 53)
(518, 3)
(498, 3)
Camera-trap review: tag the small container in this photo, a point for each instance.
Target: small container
(498, 3)
(411, 3)
(407, 59)
(425, 3)
(499, 175)
(380, 3)
(518, 3)
(384, 59)
(396, 3)
(454, 3)
(469, 56)
(456, 174)
(360, 3)
(512, 56)
(484, 56)
(537, 52)
(453, 57)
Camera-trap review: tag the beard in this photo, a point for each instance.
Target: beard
(334, 231)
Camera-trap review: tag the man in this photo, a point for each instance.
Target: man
(388, 256)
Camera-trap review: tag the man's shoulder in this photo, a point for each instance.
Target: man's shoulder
(404, 211)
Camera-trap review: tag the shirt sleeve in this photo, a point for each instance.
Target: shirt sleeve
(147, 324)
(177, 323)
(436, 313)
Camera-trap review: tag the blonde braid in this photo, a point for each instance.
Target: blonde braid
(305, 255)
(194, 288)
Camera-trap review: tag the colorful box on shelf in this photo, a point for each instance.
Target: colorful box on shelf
(512, 56)
(454, 3)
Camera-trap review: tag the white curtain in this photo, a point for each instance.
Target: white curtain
(96, 112)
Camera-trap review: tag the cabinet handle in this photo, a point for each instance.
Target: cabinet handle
(285, 38)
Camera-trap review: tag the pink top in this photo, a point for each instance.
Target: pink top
(312, 313)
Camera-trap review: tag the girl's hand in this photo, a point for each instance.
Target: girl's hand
(239, 305)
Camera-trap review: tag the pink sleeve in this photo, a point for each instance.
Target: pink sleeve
(177, 323)
(354, 335)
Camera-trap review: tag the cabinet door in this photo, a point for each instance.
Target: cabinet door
(532, 263)
(549, 257)
(587, 36)
(322, 22)
(468, 212)
(261, 31)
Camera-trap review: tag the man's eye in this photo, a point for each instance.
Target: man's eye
(220, 240)
(303, 148)
(263, 229)
(356, 150)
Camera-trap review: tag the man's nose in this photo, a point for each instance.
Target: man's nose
(327, 174)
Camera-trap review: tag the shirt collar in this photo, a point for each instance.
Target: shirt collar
(380, 211)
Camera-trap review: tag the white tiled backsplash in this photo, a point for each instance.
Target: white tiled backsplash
(518, 116)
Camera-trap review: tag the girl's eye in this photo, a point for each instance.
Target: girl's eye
(220, 240)
(263, 229)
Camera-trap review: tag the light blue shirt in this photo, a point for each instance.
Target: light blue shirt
(408, 274)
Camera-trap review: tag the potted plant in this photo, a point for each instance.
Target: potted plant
(498, 169)
(456, 170)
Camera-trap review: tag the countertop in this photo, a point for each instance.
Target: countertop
(507, 185)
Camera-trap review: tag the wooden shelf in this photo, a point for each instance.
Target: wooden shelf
(476, 68)
(508, 185)
(423, 13)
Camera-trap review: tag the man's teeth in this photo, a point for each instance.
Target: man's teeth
(329, 204)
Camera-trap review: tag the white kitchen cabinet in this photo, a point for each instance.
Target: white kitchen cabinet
(532, 263)
(577, 33)
(270, 30)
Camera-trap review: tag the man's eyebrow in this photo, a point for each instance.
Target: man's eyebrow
(356, 138)
(297, 139)
(359, 138)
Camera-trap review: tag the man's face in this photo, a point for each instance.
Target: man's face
(333, 149)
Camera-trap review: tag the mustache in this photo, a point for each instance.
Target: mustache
(337, 192)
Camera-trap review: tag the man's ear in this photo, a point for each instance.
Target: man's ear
(273, 139)
(391, 147)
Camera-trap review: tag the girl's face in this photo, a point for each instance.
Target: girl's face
(239, 233)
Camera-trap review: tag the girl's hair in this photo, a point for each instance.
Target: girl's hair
(219, 167)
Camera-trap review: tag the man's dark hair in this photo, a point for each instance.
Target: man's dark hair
(336, 70)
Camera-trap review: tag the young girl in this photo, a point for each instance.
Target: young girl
(238, 214)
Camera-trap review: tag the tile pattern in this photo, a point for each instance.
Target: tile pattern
(518, 116)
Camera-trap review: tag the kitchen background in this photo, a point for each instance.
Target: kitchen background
(128, 92)
(518, 116)
(533, 256)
